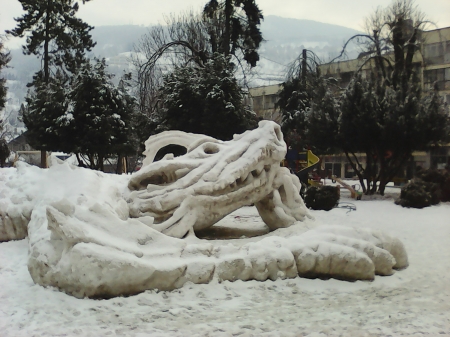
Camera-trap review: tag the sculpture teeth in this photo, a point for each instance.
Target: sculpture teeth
(257, 172)
(248, 178)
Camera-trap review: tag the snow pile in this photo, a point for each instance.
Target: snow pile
(83, 241)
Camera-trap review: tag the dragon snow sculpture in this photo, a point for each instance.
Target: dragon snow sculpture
(215, 178)
(101, 235)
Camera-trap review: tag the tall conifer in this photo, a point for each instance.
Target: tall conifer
(53, 33)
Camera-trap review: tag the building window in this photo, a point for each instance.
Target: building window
(440, 77)
(346, 78)
(447, 52)
(270, 101)
(258, 103)
(434, 53)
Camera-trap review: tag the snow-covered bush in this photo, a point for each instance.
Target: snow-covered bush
(440, 177)
(419, 194)
(428, 188)
(322, 198)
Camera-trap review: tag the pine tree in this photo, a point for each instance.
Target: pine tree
(53, 33)
(241, 20)
(206, 100)
(45, 104)
(309, 107)
(99, 120)
(4, 59)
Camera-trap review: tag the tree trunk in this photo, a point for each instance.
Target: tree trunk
(382, 187)
(227, 32)
(121, 164)
(46, 68)
(46, 43)
(101, 165)
(304, 65)
(358, 172)
(44, 159)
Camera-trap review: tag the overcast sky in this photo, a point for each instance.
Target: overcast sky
(348, 13)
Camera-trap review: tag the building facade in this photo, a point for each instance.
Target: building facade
(433, 66)
(263, 102)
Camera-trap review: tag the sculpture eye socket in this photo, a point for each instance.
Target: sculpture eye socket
(210, 148)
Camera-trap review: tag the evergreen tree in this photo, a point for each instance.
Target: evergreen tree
(294, 100)
(98, 124)
(385, 114)
(323, 119)
(45, 104)
(4, 59)
(309, 107)
(241, 20)
(230, 28)
(205, 100)
(387, 125)
(53, 33)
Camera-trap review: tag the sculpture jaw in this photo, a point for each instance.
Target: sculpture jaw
(211, 180)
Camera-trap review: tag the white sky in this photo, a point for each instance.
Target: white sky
(348, 13)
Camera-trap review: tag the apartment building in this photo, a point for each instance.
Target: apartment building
(263, 102)
(433, 66)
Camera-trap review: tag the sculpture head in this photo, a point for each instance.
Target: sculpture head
(211, 180)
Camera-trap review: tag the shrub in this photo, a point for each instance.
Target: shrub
(322, 198)
(428, 188)
(419, 194)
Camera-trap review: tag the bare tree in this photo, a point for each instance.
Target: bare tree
(384, 112)
(393, 36)
(183, 40)
(227, 27)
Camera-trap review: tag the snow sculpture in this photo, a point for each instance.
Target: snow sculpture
(215, 178)
(85, 239)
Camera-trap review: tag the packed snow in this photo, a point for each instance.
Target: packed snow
(87, 238)
(412, 302)
(82, 241)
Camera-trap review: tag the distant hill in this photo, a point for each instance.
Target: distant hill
(284, 40)
(113, 40)
(287, 29)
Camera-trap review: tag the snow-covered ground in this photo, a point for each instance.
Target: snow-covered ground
(412, 302)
